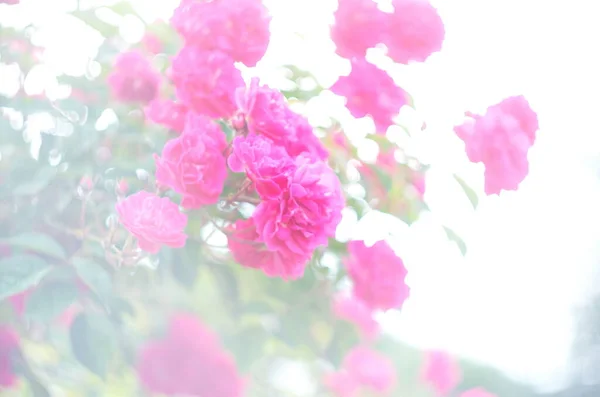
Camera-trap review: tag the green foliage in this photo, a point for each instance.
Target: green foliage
(20, 272)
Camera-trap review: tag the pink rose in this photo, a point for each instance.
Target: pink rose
(249, 251)
(501, 140)
(153, 220)
(378, 275)
(9, 343)
(238, 28)
(363, 369)
(169, 113)
(133, 79)
(193, 164)
(188, 361)
(349, 308)
(206, 81)
(415, 31)
(267, 165)
(308, 212)
(441, 371)
(370, 91)
(359, 25)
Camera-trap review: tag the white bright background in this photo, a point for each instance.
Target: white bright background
(532, 254)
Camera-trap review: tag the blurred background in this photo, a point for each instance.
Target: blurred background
(519, 307)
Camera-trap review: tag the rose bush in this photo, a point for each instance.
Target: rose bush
(169, 223)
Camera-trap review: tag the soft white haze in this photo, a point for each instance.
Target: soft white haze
(531, 253)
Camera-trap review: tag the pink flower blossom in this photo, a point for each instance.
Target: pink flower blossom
(10, 2)
(249, 251)
(267, 113)
(378, 275)
(477, 392)
(308, 212)
(359, 25)
(152, 43)
(193, 164)
(239, 28)
(419, 184)
(348, 308)
(441, 372)
(206, 81)
(133, 79)
(266, 164)
(9, 343)
(415, 31)
(155, 221)
(169, 113)
(501, 139)
(188, 360)
(371, 91)
(363, 369)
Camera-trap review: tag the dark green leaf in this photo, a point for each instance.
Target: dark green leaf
(93, 342)
(50, 300)
(471, 195)
(20, 272)
(38, 242)
(95, 277)
(456, 238)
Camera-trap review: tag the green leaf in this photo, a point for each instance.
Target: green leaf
(39, 182)
(20, 272)
(456, 238)
(38, 242)
(50, 300)
(93, 342)
(471, 195)
(95, 277)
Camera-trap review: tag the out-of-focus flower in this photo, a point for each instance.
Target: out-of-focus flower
(441, 371)
(359, 25)
(133, 79)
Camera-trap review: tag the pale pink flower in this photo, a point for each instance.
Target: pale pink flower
(169, 113)
(152, 43)
(206, 81)
(441, 371)
(308, 212)
(378, 275)
(133, 79)
(267, 113)
(370, 91)
(415, 31)
(359, 25)
(249, 251)
(153, 220)
(348, 308)
(193, 164)
(477, 392)
(419, 184)
(363, 369)
(9, 343)
(239, 28)
(501, 140)
(188, 360)
(266, 164)
(10, 2)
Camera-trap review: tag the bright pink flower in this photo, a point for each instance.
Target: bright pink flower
(348, 308)
(193, 164)
(206, 81)
(239, 28)
(415, 31)
(371, 91)
(267, 113)
(133, 79)
(441, 371)
(363, 369)
(9, 343)
(477, 392)
(169, 113)
(378, 275)
(501, 139)
(308, 212)
(249, 251)
(359, 25)
(266, 164)
(155, 221)
(188, 361)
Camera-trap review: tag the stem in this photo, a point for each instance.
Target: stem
(248, 199)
